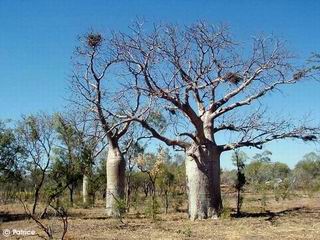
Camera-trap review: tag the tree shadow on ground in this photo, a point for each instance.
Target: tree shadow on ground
(9, 217)
(270, 216)
(12, 217)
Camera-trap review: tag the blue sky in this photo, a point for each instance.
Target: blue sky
(38, 38)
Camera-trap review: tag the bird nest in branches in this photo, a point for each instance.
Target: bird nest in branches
(233, 78)
(308, 138)
(94, 39)
(298, 75)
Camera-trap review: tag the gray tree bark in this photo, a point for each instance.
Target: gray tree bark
(115, 180)
(85, 187)
(203, 183)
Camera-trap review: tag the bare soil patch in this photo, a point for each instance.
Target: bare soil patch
(297, 218)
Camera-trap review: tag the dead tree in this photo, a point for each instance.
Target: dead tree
(47, 229)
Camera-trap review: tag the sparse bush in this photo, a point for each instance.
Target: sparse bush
(264, 198)
(226, 212)
(227, 209)
(152, 208)
(283, 189)
(178, 202)
(307, 174)
(187, 232)
(121, 208)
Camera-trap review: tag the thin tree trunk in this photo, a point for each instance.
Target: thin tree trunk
(128, 193)
(37, 193)
(203, 184)
(85, 187)
(93, 199)
(36, 199)
(115, 180)
(166, 201)
(153, 192)
(146, 190)
(71, 195)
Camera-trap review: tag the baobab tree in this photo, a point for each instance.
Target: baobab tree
(211, 91)
(99, 89)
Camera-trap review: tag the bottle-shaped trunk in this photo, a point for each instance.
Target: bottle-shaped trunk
(115, 181)
(203, 184)
(85, 188)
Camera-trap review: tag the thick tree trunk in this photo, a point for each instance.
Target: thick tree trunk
(238, 202)
(85, 188)
(115, 180)
(203, 183)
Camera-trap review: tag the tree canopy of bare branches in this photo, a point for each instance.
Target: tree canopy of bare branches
(203, 81)
(99, 87)
(187, 86)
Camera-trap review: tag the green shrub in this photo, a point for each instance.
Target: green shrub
(152, 208)
(120, 207)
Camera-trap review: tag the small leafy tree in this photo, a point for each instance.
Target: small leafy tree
(36, 135)
(166, 181)
(12, 155)
(282, 180)
(139, 183)
(133, 151)
(238, 159)
(120, 208)
(98, 179)
(259, 171)
(152, 165)
(67, 154)
(307, 173)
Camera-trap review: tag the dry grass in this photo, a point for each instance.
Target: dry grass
(297, 218)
